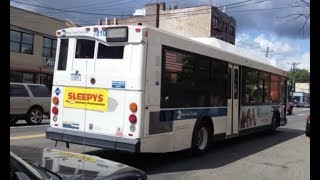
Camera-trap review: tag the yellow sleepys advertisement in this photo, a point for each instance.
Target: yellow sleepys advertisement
(85, 98)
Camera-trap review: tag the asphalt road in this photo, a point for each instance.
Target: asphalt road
(285, 155)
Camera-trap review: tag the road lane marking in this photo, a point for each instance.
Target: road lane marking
(301, 114)
(27, 136)
(13, 127)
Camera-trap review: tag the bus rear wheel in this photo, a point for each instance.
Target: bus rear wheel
(201, 138)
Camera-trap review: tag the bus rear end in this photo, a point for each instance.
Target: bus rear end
(98, 85)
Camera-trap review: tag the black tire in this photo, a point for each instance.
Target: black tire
(34, 116)
(201, 137)
(308, 134)
(13, 121)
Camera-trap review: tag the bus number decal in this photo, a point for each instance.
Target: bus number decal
(99, 33)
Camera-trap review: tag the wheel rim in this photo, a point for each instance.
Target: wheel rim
(35, 116)
(202, 138)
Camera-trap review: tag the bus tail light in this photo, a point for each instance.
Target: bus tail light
(55, 100)
(133, 107)
(138, 30)
(133, 118)
(55, 110)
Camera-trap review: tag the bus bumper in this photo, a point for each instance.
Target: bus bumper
(95, 140)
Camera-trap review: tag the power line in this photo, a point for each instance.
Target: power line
(234, 3)
(102, 14)
(248, 4)
(89, 5)
(66, 10)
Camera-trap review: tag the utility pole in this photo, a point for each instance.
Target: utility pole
(267, 51)
(294, 69)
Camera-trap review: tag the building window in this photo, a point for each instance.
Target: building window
(21, 42)
(16, 76)
(215, 22)
(225, 27)
(232, 33)
(22, 77)
(49, 47)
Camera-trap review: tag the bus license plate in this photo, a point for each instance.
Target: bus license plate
(75, 77)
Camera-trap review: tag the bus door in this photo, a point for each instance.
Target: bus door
(233, 100)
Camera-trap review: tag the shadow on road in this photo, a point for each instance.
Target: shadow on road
(220, 153)
(24, 123)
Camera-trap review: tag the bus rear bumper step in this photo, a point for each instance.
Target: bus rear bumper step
(96, 140)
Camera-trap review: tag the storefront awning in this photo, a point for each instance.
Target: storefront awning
(30, 68)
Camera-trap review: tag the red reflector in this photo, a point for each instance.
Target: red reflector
(133, 118)
(130, 134)
(87, 29)
(104, 28)
(55, 110)
(58, 33)
(55, 124)
(95, 29)
(138, 29)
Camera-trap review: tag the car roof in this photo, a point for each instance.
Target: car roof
(34, 84)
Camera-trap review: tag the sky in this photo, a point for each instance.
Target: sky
(277, 24)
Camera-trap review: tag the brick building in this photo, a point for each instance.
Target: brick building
(32, 46)
(199, 21)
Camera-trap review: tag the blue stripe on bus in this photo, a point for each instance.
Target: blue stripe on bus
(182, 114)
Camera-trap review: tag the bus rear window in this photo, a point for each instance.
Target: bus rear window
(63, 54)
(85, 49)
(110, 52)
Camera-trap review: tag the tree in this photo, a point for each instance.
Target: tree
(303, 11)
(299, 75)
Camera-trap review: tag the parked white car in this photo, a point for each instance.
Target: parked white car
(29, 102)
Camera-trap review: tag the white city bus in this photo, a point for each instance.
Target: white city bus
(141, 89)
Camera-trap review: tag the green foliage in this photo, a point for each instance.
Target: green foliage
(299, 75)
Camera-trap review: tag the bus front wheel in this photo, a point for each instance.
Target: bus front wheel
(201, 138)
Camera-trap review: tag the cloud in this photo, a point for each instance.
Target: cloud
(275, 20)
(273, 43)
(305, 61)
(282, 51)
